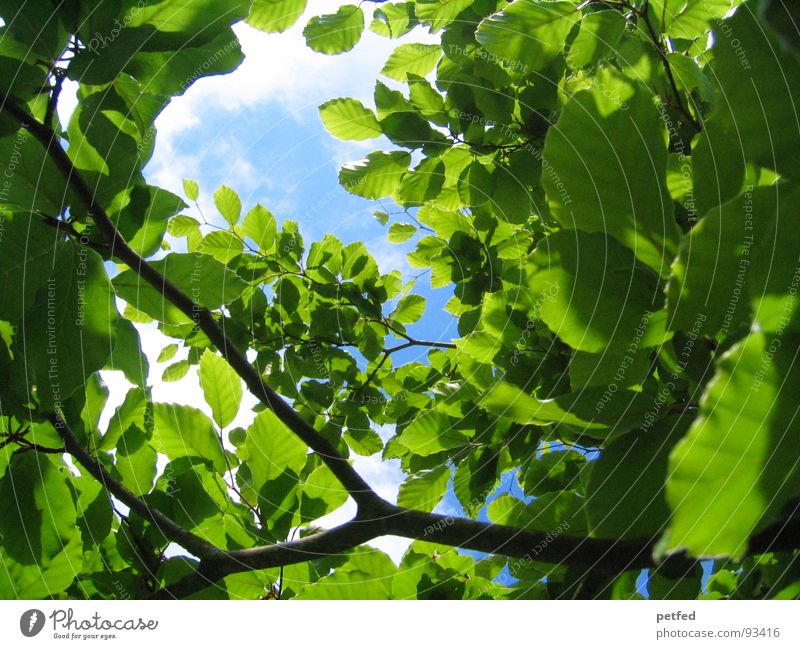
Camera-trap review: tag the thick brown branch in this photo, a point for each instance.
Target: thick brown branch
(612, 556)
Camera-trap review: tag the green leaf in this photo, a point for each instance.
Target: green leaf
(182, 431)
(527, 35)
(349, 119)
(145, 219)
(195, 38)
(176, 371)
(126, 355)
(275, 15)
(426, 99)
(341, 585)
(421, 186)
(167, 353)
(597, 39)
(221, 245)
(439, 13)
(200, 276)
(106, 140)
(594, 295)
(759, 85)
(37, 514)
(335, 33)
(322, 494)
(363, 441)
(31, 179)
(400, 232)
(221, 386)
(713, 273)
(175, 16)
(589, 411)
(70, 328)
(409, 309)
(393, 20)
(229, 204)
(431, 432)
(476, 186)
(424, 492)
(272, 450)
(615, 193)
(550, 513)
(135, 410)
(26, 252)
(696, 18)
(136, 461)
(376, 176)
(412, 58)
(624, 368)
(625, 492)
(553, 471)
(260, 226)
(737, 465)
(191, 189)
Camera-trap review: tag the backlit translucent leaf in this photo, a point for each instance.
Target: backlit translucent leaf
(272, 449)
(70, 329)
(594, 294)
(191, 189)
(275, 15)
(221, 386)
(260, 226)
(424, 492)
(409, 309)
(376, 176)
(594, 176)
(201, 276)
(526, 35)
(136, 461)
(412, 58)
(335, 33)
(625, 492)
(759, 88)
(229, 204)
(182, 431)
(349, 119)
(588, 410)
(400, 232)
(430, 433)
(737, 465)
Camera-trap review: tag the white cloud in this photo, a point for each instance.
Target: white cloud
(279, 72)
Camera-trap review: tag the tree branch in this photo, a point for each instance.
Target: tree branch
(174, 532)
(325, 544)
(358, 488)
(611, 555)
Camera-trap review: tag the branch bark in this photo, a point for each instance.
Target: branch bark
(610, 555)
